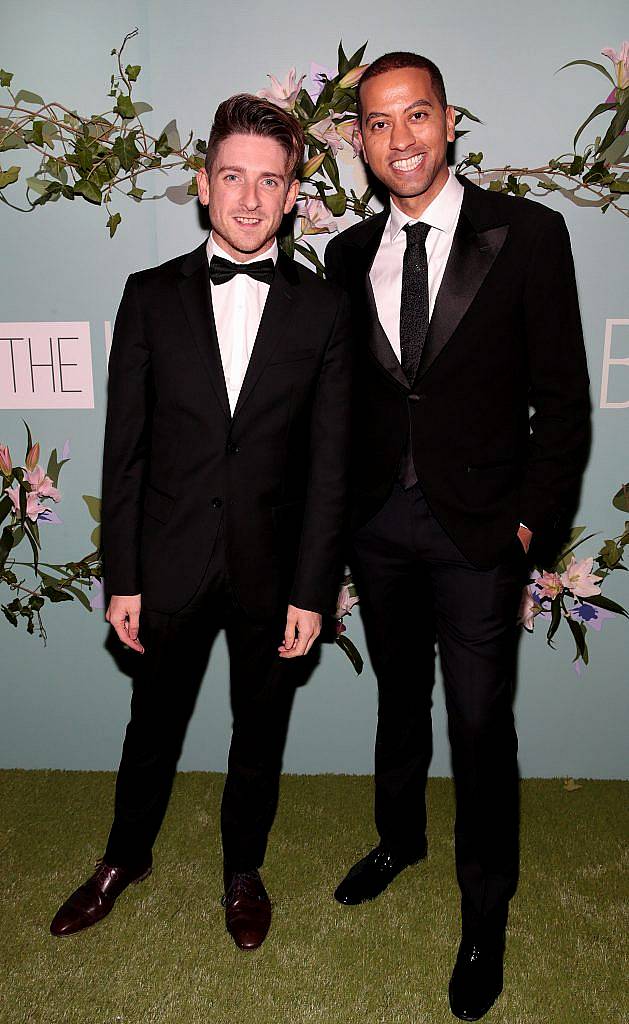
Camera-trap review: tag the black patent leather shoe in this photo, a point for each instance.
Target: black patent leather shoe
(476, 980)
(371, 875)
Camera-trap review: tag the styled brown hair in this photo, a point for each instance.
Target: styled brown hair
(245, 114)
(403, 59)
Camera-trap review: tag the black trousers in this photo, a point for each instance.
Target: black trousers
(165, 687)
(417, 591)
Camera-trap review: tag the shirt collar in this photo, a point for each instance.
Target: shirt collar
(441, 213)
(214, 249)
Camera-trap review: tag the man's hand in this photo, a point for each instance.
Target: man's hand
(124, 615)
(525, 536)
(302, 629)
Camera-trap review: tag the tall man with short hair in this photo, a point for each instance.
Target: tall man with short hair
(224, 485)
(465, 306)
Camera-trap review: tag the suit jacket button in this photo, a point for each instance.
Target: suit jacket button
(232, 449)
(416, 398)
(216, 503)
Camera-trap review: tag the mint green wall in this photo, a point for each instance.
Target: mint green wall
(65, 705)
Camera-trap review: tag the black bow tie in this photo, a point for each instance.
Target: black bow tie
(223, 270)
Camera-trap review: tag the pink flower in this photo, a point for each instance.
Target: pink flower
(283, 94)
(42, 484)
(621, 64)
(34, 508)
(348, 130)
(529, 608)
(549, 585)
(33, 456)
(345, 601)
(325, 131)
(579, 579)
(353, 77)
(6, 466)
(340, 628)
(315, 217)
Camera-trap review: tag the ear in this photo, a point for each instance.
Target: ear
(450, 123)
(291, 195)
(203, 187)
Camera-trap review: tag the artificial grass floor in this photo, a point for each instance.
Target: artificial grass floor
(163, 956)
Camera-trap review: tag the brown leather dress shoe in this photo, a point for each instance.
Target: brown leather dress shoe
(247, 909)
(95, 898)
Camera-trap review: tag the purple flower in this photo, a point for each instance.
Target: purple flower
(97, 596)
(49, 516)
(319, 74)
(65, 452)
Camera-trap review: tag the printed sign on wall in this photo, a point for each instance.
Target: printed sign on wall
(615, 354)
(46, 366)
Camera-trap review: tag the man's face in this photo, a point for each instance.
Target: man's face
(247, 194)
(405, 132)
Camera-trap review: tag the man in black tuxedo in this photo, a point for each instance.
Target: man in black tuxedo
(224, 488)
(465, 305)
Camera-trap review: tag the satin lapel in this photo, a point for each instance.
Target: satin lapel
(470, 260)
(275, 325)
(377, 338)
(196, 295)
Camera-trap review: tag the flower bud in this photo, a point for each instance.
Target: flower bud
(312, 165)
(6, 466)
(33, 457)
(353, 77)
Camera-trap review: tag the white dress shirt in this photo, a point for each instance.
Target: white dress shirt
(238, 306)
(386, 271)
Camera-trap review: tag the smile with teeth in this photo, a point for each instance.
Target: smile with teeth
(410, 164)
(248, 220)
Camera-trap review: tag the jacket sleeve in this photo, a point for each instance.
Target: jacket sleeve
(559, 385)
(127, 446)
(319, 565)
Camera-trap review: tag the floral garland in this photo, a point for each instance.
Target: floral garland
(102, 157)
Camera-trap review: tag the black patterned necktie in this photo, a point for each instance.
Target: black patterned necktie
(414, 305)
(224, 270)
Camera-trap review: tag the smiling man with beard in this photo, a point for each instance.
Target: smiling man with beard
(465, 305)
(224, 484)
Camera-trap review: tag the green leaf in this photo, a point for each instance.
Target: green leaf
(311, 255)
(54, 467)
(351, 651)
(95, 537)
(126, 150)
(9, 176)
(617, 127)
(599, 601)
(467, 113)
(24, 96)
(343, 62)
(331, 169)
(6, 506)
(172, 136)
(36, 602)
(621, 499)
(578, 632)
(337, 204)
(125, 107)
(10, 615)
(80, 595)
(601, 108)
(357, 57)
(93, 506)
(112, 223)
(14, 140)
(136, 193)
(591, 64)
(88, 190)
(555, 619)
(132, 71)
(7, 541)
(5, 77)
(619, 186)
(162, 147)
(37, 185)
(617, 150)
(55, 595)
(192, 189)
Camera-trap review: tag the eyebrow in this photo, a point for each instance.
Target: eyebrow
(243, 170)
(411, 106)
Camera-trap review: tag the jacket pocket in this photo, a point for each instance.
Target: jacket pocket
(158, 505)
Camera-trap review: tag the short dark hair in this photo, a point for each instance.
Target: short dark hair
(395, 62)
(245, 114)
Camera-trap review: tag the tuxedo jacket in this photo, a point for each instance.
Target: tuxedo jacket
(505, 336)
(177, 463)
